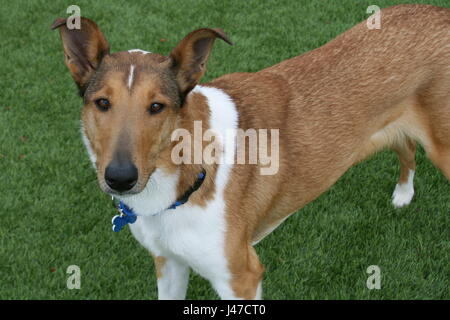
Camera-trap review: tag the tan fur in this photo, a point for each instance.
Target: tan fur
(159, 264)
(364, 91)
(189, 50)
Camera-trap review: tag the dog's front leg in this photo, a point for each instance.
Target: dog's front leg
(243, 278)
(172, 277)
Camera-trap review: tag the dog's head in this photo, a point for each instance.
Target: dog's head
(132, 100)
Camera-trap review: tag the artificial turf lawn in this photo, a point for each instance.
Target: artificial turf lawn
(53, 214)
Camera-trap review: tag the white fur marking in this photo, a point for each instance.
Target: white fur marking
(404, 192)
(131, 76)
(159, 193)
(138, 51)
(258, 295)
(88, 146)
(174, 280)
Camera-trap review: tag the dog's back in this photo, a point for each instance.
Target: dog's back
(366, 90)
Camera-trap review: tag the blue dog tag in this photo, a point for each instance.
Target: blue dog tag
(125, 217)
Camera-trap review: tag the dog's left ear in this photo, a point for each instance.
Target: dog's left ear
(84, 49)
(188, 59)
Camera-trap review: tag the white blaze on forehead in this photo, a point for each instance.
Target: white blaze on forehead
(139, 51)
(131, 76)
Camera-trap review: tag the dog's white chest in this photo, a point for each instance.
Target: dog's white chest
(189, 233)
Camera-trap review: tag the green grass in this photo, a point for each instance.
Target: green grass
(53, 214)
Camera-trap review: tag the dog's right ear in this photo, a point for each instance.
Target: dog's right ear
(190, 56)
(84, 49)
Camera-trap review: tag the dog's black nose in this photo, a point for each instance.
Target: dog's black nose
(121, 176)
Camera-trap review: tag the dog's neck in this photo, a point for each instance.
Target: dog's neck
(194, 114)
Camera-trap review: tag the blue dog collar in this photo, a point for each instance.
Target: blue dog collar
(126, 214)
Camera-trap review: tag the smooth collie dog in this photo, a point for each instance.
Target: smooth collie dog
(332, 107)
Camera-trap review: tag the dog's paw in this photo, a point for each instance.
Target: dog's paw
(402, 195)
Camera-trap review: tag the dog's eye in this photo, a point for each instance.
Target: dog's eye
(155, 107)
(103, 104)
